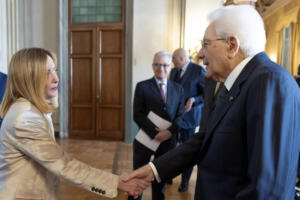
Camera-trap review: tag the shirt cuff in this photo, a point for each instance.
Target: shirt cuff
(155, 172)
(193, 99)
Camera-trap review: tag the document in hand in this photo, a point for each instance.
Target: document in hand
(147, 141)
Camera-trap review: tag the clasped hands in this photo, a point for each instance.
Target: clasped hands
(134, 183)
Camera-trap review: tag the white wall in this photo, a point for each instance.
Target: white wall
(150, 32)
(156, 27)
(196, 20)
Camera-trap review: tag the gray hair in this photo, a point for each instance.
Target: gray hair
(163, 53)
(245, 23)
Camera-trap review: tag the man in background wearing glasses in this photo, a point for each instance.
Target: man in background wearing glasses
(164, 98)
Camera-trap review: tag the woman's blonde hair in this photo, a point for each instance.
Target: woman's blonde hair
(27, 76)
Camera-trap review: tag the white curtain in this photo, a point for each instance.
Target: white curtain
(286, 48)
(8, 32)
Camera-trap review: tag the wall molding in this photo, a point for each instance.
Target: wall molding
(63, 63)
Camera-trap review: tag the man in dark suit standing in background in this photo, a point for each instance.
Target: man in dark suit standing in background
(191, 76)
(251, 145)
(164, 98)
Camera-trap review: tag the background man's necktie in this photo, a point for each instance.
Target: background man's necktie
(177, 77)
(162, 92)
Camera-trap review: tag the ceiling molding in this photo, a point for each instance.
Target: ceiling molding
(268, 9)
(264, 7)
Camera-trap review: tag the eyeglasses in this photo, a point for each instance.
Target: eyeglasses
(161, 65)
(206, 42)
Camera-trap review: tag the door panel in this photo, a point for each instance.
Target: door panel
(110, 81)
(82, 42)
(110, 112)
(82, 82)
(82, 119)
(110, 123)
(111, 41)
(110, 119)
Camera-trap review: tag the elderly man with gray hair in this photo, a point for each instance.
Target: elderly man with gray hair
(250, 148)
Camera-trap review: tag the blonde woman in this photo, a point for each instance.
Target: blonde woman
(31, 162)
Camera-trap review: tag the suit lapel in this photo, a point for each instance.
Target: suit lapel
(173, 73)
(186, 74)
(155, 89)
(220, 111)
(217, 115)
(170, 94)
(210, 93)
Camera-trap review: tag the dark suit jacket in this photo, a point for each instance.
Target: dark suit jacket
(3, 78)
(250, 149)
(148, 98)
(298, 81)
(192, 82)
(209, 93)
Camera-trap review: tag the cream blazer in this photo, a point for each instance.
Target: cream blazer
(31, 162)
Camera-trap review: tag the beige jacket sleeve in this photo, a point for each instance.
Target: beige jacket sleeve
(32, 136)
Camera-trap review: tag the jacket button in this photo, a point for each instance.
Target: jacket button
(93, 189)
(103, 192)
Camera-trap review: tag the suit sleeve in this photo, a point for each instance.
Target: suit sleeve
(272, 138)
(200, 87)
(140, 112)
(178, 122)
(174, 162)
(32, 136)
(172, 74)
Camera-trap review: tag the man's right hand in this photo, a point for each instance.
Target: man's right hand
(163, 135)
(133, 187)
(145, 173)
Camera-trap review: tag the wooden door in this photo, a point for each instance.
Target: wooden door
(110, 87)
(96, 79)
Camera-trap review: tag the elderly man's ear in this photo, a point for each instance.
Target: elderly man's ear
(233, 46)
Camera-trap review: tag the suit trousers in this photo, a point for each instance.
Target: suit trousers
(184, 135)
(141, 157)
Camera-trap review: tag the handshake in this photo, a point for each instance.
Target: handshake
(135, 183)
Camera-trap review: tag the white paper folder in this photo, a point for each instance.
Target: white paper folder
(147, 141)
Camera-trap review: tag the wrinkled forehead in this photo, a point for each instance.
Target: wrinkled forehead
(210, 31)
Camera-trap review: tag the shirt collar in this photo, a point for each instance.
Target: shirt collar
(185, 67)
(235, 73)
(164, 81)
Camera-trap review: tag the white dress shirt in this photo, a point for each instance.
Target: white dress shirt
(183, 69)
